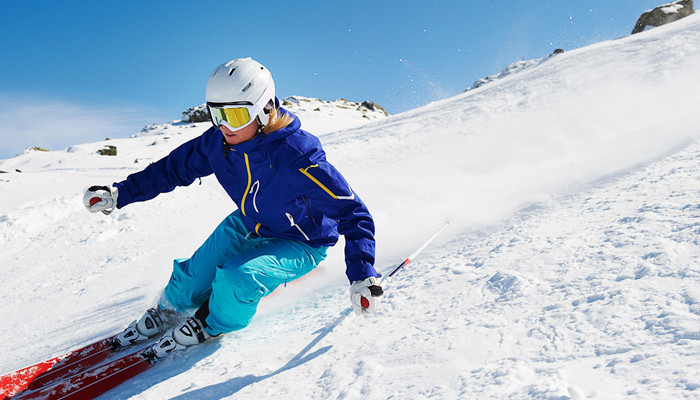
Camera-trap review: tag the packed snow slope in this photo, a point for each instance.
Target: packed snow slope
(570, 269)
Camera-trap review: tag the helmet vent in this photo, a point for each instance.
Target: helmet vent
(231, 71)
(247, 86)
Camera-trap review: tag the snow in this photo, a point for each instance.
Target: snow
(569, 271)
(672, 9)
(321, 117)
(513, 68)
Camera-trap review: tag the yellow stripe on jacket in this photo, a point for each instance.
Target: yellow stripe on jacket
(247, 166)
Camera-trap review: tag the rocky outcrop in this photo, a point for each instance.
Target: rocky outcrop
(196, 114)
(372, 106)
(664, 14)
(37, 148)
(301, 103)
(108, 150)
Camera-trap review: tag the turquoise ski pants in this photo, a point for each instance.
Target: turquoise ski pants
(234, 269)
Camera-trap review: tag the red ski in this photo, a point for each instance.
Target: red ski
(93, 382)
(56, 368)
(49, 373)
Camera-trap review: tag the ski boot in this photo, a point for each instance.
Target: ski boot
(188, 333)
(153, 322)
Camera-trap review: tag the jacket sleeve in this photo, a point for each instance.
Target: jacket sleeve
(328, 190)
(179, 168)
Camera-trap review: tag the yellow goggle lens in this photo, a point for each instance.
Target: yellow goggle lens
(235, 117)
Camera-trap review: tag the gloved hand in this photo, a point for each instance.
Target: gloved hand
(365, 295)
(100, 198)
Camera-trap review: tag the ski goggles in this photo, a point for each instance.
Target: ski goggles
(234, 115)
(237, 115)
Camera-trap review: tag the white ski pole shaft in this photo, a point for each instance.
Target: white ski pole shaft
(415, 253)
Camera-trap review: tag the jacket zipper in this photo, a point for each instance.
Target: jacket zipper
(308, 210)
(291, 221)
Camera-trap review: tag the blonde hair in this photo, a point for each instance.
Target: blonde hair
(277, 121)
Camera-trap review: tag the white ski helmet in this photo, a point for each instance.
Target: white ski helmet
(240, 91)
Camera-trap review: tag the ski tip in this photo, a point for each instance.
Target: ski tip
(18, 381)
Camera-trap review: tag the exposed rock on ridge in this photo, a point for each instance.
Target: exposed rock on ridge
(664, 14)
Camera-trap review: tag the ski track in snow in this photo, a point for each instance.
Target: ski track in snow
(570, 270)
(609, 281)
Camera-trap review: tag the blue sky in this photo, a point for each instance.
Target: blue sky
(80, 71)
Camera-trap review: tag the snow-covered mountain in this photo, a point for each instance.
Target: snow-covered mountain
(319, 116)
(570, 269)
(511, 69)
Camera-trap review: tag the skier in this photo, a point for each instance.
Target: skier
(292, 205)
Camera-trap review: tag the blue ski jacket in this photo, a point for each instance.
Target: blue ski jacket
(280, 181)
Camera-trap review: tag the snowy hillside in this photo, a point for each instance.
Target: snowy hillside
(511, 69)
(570, 269)
(321, 116)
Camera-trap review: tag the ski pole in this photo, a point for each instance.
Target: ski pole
(415, 253)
